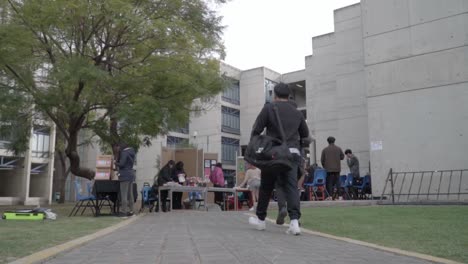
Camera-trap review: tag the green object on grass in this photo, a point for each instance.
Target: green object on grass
(23, 215)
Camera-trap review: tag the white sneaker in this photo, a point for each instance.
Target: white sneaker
(294, 228)
(252, 209)
(257, 223)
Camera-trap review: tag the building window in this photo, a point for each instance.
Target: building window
(269, 85)
(6, 131)
(183, 129)
(176, 142)
(231, 120)
(229, 150)
(231, 93)
(40, 142)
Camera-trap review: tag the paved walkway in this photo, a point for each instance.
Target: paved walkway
(217, 237)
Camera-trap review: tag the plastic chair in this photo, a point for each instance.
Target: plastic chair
(196, 197)
(318, 185)
(348, 185)
(83, 201)
(364, 189)
(148, 198)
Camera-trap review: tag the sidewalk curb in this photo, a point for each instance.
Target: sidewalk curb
(52, 251)
(374, 246)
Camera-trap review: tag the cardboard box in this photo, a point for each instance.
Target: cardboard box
(104, 161)
(102, 174)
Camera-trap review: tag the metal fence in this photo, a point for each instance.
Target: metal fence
(420, 186)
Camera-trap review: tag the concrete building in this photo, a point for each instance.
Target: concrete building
(391, 83)
(225, 125)
(336, 90)
(27, 178)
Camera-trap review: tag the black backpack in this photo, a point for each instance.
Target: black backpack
(269, 154)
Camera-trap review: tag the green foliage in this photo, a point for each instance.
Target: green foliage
(124, 69)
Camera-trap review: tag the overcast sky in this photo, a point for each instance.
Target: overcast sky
(275, 33)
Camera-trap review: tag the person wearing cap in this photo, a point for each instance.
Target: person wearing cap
(295, 128)
(331, 159)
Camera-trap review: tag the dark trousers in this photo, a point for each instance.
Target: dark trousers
(219, 196)
(333, 183)
(164, 195)
(288, 182)
(176, 200)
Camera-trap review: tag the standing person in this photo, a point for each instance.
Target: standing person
(331, 162)
(295, 128)
(217, 178)
(353, 164)
(252, 180)
(126, 178)
(165, 176)
(179, 177)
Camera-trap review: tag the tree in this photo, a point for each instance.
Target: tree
(126, 70)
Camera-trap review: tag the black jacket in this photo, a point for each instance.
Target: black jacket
(125, 164)
(293, 122)
(165, 175)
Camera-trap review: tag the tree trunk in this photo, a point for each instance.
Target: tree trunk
(61, 174)
(74, 158)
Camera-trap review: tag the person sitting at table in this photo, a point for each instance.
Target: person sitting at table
(217, 178)
(179, 177)
(252, 181)
(165, 176)
(126, 178)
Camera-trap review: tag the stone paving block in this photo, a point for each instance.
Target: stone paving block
(217, 237)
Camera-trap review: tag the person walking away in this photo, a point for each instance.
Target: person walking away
(179, 177)
(331, 162)
(165, 176)
(217, 178)
(295, 128)
(126, 178)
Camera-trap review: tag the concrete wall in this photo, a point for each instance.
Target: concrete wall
(351, 101)
(416, 70)
(252, 99)
(322, 115)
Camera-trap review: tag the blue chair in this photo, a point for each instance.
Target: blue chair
(83, 201)
(343, 179)
(348, 185)
(364, 189)
(148, 198)
(318, 185)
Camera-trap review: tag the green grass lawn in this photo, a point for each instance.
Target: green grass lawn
(20, 238)
(440, 231)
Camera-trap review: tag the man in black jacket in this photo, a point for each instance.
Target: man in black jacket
(295, 128)
(126, 178)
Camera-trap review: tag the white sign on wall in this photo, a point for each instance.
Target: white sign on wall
(376, 145)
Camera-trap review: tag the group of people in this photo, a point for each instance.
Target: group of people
(175, 173)
(171, 172)
(261, 183)
(331, 159)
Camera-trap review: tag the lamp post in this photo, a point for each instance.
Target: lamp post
(195, 134)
